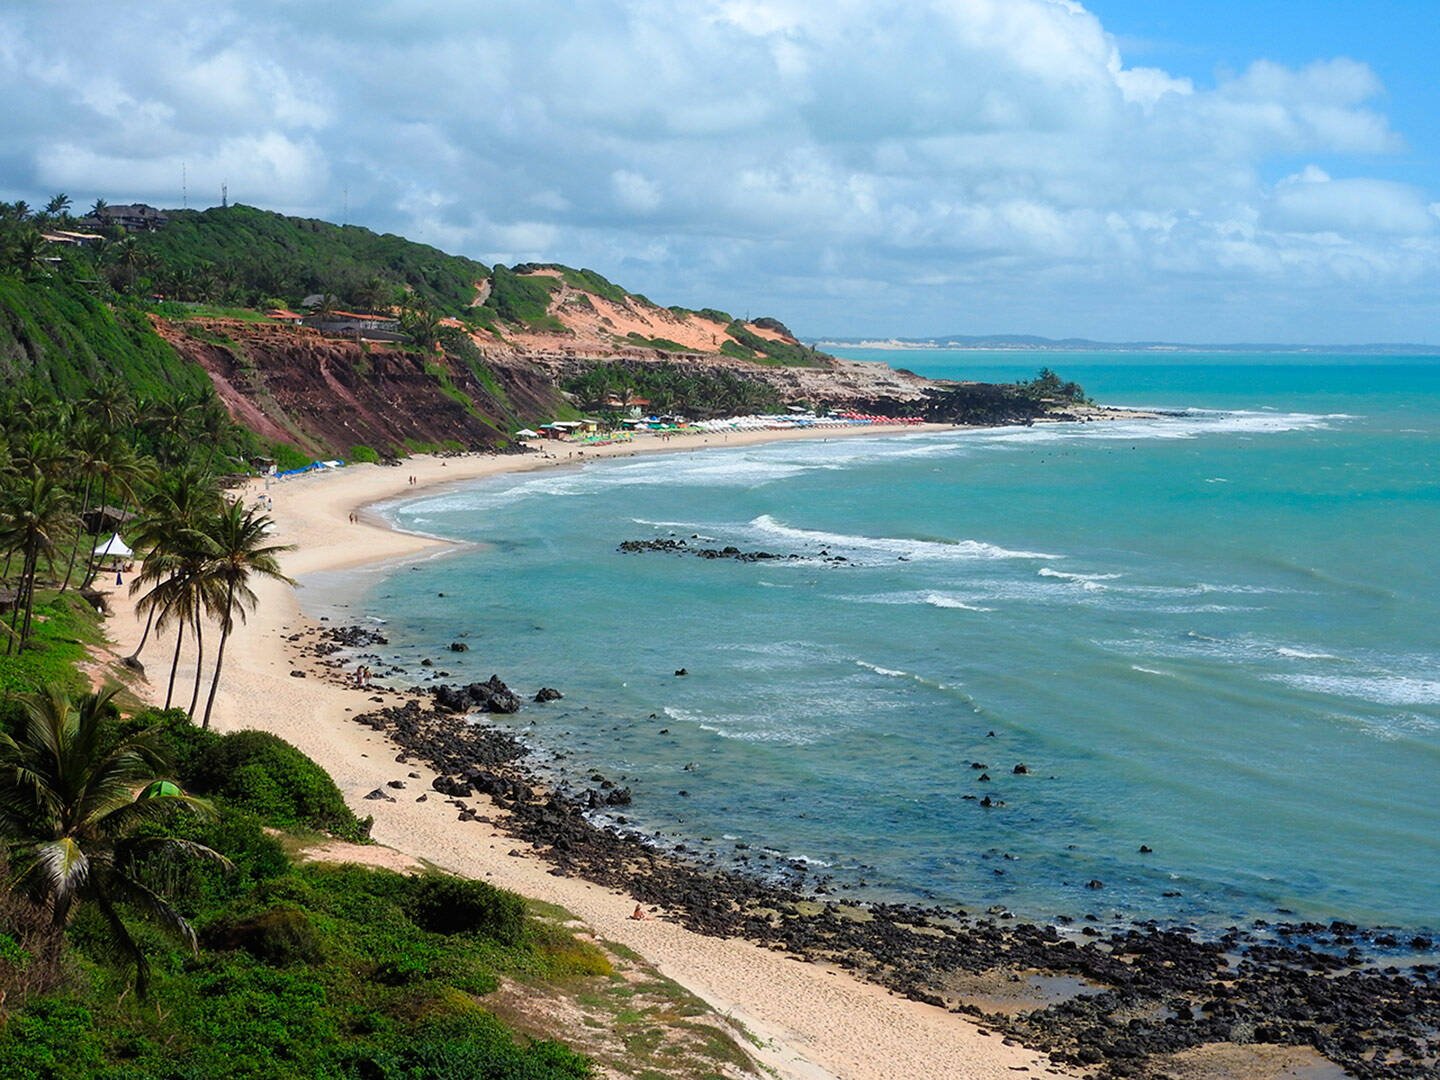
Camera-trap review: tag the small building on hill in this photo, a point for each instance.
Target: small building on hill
(106, 519)
(132, 217)
(358, 324)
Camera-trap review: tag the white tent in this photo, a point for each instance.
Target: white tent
(526, 433)
(114, 548)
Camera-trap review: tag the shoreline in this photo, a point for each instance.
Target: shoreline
(812, 1026)
(811, 1022)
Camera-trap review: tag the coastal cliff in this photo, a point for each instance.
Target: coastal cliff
(333, 341)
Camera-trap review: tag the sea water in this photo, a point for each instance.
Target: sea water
(1216, 635)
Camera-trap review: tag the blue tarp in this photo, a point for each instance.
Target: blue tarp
(309, 468)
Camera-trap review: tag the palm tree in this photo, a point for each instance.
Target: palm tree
(68, 814)
(120, 469)
(28, 254)
(181, 594)
(35, 516)
(181, 501)
(166, 421)
(109, 405)
(58, 206)
(87, 448)
(238, 552)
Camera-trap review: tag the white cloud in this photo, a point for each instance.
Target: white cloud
(814, 159)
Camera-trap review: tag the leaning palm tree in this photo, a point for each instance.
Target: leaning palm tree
(69, 812)
(238, 552)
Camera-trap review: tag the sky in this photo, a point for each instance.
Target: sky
(1235, 170)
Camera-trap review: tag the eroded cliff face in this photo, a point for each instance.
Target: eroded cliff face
(328, 395)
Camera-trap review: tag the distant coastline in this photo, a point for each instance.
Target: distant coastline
(1023, 343)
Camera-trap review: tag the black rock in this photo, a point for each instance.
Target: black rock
(546, 693)
(459, 646)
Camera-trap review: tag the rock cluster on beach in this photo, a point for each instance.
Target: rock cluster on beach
(1146, 991)
(489, 696)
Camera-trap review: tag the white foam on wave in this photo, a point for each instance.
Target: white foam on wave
(929, 597)
(1184, 424)
(746, 727)
(1152, 671)
(892, 672)
(894, 547)
(945, 600)
(1046, 571)
(1301, 654)
(1381, 689)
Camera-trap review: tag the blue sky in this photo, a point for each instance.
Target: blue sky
(1119, 169)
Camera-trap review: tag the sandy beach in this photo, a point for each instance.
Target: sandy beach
(813, 1022)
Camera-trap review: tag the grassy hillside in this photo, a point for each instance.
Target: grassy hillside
(57, 337)
(248, 256)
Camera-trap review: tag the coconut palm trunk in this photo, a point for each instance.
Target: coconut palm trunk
(93, 566)
(225, 626)
(149, 622)
(32, 567)
(175, 663)
(199, 663)
(80, 535)
(238, 553)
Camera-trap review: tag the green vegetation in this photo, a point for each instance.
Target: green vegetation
(265, 775)
(72, 822)
(57, 338)
(663, 344)
(64, 627)
(777, 352)
(673, 388)
(519, 299)
(363, 455)
(1048, 386)
(243, 255)
(287, 457)
(586, 280)
(300, 971)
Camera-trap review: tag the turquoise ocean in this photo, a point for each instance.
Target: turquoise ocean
(1216, 635)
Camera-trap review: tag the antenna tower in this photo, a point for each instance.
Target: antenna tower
(184, 188)
(224, 195)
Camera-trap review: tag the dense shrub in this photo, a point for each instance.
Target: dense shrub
(52, 1038)
(281, 935)
(476, 1044)
(265, 775)
(364, 455)
(450, 905)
